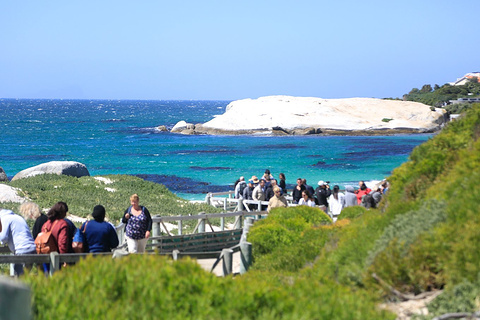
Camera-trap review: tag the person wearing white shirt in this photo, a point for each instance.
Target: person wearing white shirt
(306, 199)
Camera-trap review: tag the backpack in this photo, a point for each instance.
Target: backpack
(45, 243)
(79, 243)
(242, 188)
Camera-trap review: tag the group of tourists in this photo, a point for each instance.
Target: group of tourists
(331, 201)
(97, 235)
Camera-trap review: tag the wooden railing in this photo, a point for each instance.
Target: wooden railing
(220, 245)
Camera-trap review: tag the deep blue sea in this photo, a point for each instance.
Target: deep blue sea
(119, 137)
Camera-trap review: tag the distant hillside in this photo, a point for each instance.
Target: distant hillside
(439, 96)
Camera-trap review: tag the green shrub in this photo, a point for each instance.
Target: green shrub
(152, 287)
(464, 297)
(352, 212)
(405, 228)
(283, 226)
(82, 194)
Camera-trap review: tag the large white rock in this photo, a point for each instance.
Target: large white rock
(69, 168)
(10, 194)
(353, 114)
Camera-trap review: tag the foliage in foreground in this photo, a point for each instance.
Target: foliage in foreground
(82, 194)
(152, 287)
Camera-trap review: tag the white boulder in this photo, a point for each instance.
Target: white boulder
(10, 194)
(69, 168)
(353, 114)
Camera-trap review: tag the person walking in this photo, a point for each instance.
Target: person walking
(138, 225)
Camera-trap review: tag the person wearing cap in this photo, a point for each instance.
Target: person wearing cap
(99, 234)
(322, 194)
(248, 192)
(239, 187)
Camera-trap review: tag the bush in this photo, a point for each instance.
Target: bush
(152, 287)
(82, 194)
(464, 297)
(283, 226)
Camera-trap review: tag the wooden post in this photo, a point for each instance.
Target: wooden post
(227, 261)
(155, 231)
(120, 229)
(222, 223)
(240, 204)
(238, 223)
(180, 227)
(246, 228)
(207, 198)
(175, 254)
(15, 299)
(54, 262)
(259, 205)
(225, 204)
(245, 256)
(201, 224)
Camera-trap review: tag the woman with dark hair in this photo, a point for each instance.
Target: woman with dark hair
(58, 225)
(282, 184)
(336, 202)
(307, 199)
(99, 234)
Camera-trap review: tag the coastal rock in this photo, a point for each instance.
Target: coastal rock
(304, 115)
(10, 194)
(182, 126)
(69, 168)
(161, 128)
(3, 175)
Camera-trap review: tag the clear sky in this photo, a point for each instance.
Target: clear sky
(227, 50)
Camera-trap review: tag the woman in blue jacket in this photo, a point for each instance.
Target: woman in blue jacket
(99, 234)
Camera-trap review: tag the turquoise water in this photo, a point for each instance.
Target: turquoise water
(119, 137)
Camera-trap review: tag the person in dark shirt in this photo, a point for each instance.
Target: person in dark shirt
(99, 234)
(297, 191)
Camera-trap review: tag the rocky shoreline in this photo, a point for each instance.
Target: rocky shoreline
(198, 129)
(283, 115)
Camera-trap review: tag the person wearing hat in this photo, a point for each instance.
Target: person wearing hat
(99, 234)
(322, 194)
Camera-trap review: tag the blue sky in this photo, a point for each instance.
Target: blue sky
(227, 50)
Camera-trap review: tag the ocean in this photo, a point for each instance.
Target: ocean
(120, 137)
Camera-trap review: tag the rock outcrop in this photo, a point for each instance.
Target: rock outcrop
(10, 194)
(3, 175)
(302, 115)
(69, 168)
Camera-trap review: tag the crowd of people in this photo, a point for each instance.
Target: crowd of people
(98, 235)
(331, 201)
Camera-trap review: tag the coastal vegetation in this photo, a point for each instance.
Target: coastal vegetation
(439, 96)
(111, 191)
(423, 238)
